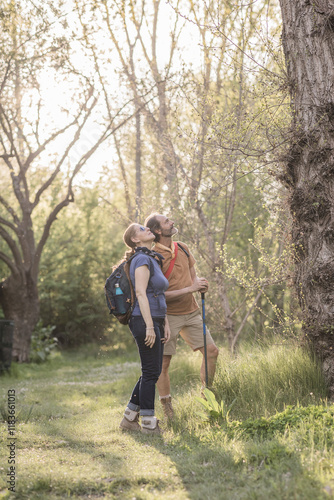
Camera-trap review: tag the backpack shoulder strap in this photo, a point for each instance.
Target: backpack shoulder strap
(172, 262)
(127, 272)
(151, 266)
(185, 251)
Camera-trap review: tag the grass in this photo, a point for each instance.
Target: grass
(266, 379)
(69, 445)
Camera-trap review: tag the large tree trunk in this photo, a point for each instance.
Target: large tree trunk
(308, 40)
(20, 303)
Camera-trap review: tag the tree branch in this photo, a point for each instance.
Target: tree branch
(9, 263)
(3, 83)
(9, 134)
(123, 172)
(5, 222)
(235, 338)
(70, 197)
(46, 231)
(65, 155)
(12, 245)
(92, 48)
(9, 210)
(34, 155)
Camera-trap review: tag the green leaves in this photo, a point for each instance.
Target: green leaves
(42, 343)
(214, 410)
(315, 418)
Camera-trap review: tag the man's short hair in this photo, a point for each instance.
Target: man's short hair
(152, 222)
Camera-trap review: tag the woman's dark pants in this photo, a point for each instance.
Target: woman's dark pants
(151, 364)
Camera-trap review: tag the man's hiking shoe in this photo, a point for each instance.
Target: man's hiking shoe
(130, 421)
(150, 425)
(167, 407)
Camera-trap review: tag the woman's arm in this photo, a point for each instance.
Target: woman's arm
(142, 276)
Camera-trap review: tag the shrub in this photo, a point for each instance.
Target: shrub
(318, 418)
(42, 343)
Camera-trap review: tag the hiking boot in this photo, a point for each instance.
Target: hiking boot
(167, 407)
(130, 421)
(150, 425)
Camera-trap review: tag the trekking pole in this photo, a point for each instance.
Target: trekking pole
(204, 335)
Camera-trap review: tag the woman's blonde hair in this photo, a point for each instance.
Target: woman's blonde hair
(129, 233)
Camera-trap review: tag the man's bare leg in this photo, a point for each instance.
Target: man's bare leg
(212, 355)
(163, 385)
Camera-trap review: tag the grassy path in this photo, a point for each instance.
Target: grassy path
(68, 444)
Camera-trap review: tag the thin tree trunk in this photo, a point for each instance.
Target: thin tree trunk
(138, 167)
(124, 179)
(308, 40)
(235, 338)
(225, 305)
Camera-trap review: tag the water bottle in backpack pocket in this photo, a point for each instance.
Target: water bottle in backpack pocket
(119, 300)
(119, 292)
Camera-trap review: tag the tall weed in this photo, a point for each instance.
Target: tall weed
(266, 379)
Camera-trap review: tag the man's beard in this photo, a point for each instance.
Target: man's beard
(171, 232)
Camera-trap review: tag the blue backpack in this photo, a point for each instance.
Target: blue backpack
(120, 279)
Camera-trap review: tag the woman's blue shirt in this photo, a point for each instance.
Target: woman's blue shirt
(157, 285)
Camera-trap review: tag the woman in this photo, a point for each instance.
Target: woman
(148, 325)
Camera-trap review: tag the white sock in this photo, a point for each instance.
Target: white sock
(130, 414)
(165, 397)
(149, 422)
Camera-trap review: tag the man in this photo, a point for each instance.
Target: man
(182, 309)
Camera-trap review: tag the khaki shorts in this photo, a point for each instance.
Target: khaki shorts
(190, 327)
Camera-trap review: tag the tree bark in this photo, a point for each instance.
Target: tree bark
(20, 303)
(308, 41)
